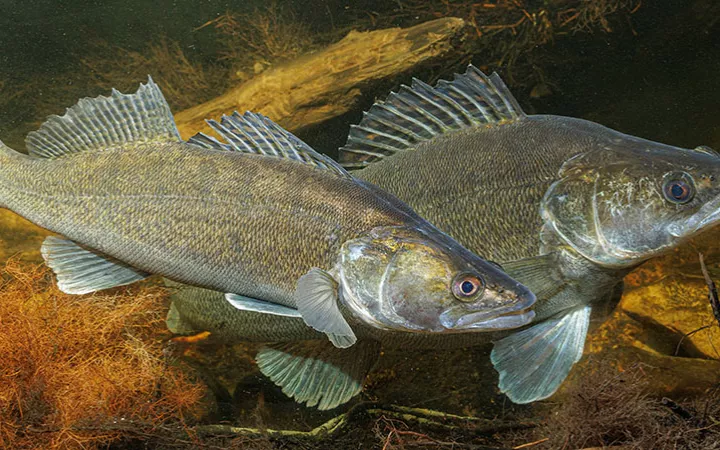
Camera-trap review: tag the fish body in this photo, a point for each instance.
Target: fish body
(278, 228)
(567, 206)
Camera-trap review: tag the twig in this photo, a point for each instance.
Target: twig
(712, 290)
(531, 444)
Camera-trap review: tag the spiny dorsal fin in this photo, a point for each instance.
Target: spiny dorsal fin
(255, 133)
(102, 122)
(421, 112)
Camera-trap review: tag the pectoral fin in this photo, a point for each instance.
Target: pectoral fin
(316, 297)
(176, 323)
(81, 271)
(540, 274)
(317, 373)
(252, 304)
(534, 362)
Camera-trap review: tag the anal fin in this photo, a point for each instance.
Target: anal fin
(81, 271)
(532, 363)
(317, 373)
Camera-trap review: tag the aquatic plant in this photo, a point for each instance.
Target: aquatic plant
(184, 82)
(85, 371)
(503, 32)
(251, 42)
(607, 407)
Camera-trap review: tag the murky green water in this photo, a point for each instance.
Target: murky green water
(646, 69)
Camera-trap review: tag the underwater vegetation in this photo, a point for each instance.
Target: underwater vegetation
(510, 34)
(185, 82)
(84, 372)
(607, 408)
(251, 42)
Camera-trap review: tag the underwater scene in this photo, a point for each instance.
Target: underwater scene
(320, 224)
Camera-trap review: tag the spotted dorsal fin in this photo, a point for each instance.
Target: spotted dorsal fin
(104, 122)
(421, 112)
(255, 133)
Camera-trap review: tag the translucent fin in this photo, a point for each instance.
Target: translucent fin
(540, 274)
(316, 297)
(421, 112)
(81, 271)
(255, 133)
(102, 122)
(251, 304)
(316, 373)
(534, 362)
(175, 322)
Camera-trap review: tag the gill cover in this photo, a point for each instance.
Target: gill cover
(620, 205)
(391, 271)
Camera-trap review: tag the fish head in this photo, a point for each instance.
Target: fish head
(404, 279)
(633, 199)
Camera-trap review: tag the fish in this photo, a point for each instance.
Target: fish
(278, 228)
(565, 205)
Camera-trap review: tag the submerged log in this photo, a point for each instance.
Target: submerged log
(326, 84)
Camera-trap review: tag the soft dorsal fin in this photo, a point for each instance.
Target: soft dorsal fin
(255, 133)
(421, 112)
(102, 122)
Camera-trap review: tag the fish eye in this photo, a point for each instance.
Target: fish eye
(467, 287)
(678, 187)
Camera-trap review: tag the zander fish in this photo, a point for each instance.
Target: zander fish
(279, 228)
(566, 206)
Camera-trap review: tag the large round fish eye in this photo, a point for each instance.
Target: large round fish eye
(467, 287)
(678, 187)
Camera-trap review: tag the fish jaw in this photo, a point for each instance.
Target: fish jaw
(517, 314)
(707, 217)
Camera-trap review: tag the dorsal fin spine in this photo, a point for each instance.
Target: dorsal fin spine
(256, 134)
(102, 122)
(380, 133)
(377, 145)
(507, 97)
(396, 111)
(269, 148)
(464, 119)
(424, 91)
(409, 133)
(426, 114)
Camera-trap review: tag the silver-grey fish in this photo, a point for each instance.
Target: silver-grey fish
(280, 228)
(567, 206)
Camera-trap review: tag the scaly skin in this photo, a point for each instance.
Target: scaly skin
(228, 221)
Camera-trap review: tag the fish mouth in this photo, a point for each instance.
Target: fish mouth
(508, 317)
(707, 217)
(709, 221)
